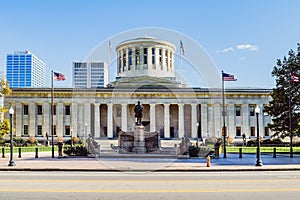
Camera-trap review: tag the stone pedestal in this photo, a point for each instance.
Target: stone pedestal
(139, 140)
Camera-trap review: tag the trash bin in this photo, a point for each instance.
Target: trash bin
(60, 149)
(217, 150)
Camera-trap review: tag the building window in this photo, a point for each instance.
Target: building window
(54, 130)
(171, 60)
(39, 130)
(25, 131)
(54, 109)
(137, 56)
(25, 109)
(238, 131)
(267, 131)
(160, 56)
(119, 112)
(252, 110)
(166, 58)
(120, 61)
(67, 130)
(153, 56)
(237, 110)
(124, 60)
(252, 131)
(145, 56)
(130, 58)
(67, 110)
(39, 109)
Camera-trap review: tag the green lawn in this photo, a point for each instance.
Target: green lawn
(234, 149)
(30, 149)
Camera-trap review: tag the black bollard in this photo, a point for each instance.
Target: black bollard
(3, 152)
(274, 152)
(36, 152)
(240, 153)
(20, 152)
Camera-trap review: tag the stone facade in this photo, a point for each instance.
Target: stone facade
(177, 112)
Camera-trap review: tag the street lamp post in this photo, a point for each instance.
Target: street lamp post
(258, 161)
(11, 161)
(71, 137)
(85, 132)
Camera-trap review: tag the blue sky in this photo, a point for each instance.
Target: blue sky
(244, 38)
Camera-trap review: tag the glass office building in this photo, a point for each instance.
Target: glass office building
(90, 74)
(24, 69)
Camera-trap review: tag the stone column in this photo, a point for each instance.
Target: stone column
(122, 62)
(172, 61)
(152, 118)
(231, 120)
(109, 120)
(210, 117)
(261, 121)
(163, 59)
(124, 118)
(127, 59)
(142, 57)
(218, 119)
(167, 121)
(87, 119)
(180, 120)
(157, 58)
(204, 120)
(97, 120)
(149, 57)
(32, 119)
(74, 119)
(194, 121)
(169, 61)
(133, 58)
(46, 118)
(19, 122)
(60, 119)
(245, 119)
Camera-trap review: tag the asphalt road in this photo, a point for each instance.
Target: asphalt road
(152, 185)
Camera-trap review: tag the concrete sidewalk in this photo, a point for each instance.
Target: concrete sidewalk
(28, 162)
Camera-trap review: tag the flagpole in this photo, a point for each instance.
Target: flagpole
(52, 113)
(223, 115)
(180, 65)
(109, 56)
(290, 117)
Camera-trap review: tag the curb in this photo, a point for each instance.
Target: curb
(145, 170)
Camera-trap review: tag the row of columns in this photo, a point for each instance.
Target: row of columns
(81, 119)
(166, 56)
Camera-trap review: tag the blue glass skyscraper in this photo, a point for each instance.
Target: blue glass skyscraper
(24, 69)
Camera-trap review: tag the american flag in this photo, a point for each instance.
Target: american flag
(294, 78)
(109, 46)
(182, 47)
(228, 77)
(58, 76)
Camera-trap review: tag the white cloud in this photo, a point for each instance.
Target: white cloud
(249, 47)
(226, 50)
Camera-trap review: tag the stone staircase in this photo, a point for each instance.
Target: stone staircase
(109, 148)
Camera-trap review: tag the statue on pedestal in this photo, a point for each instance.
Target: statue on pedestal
(138, 109)
(92, 145)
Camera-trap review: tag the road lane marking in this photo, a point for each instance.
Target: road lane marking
(158, 181)
(152, 191)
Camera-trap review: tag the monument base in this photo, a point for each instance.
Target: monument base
(139, 140)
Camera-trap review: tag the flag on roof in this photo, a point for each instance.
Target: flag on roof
(109, 46)
(294, 78)
(182, 47)
(228, 77)
(58, 76)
